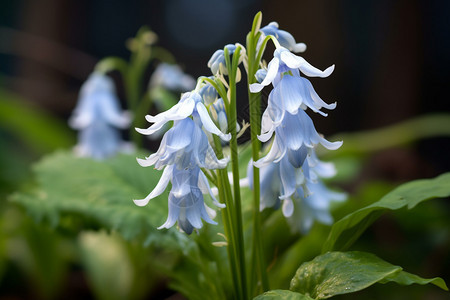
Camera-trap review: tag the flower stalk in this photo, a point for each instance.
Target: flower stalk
(253, 60)
(232, 73)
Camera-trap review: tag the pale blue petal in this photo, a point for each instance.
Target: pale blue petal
(209, 124)
(292, 61)
(272, 70)
(212, 162)
(319, 103)
(159, 188)
(288, 207)
(288, 92)
(291, 131)
(311, 71)
(174, 212)
(206, 189)
(287, 175)
(193, 215)
(205, 216)
(276, 153)
(330, 145)
(179, 136)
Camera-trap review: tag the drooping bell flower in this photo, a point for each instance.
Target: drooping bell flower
(99, 118)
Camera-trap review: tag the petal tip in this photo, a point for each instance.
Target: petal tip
(140, 202)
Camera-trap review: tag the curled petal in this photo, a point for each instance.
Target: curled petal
(180, 111)
(272, 70)
(205, 188)
(159, 189)
(209, 124)
(311, 71)
(315, 97)
(330, 145)
(274, 155)
(299, 47)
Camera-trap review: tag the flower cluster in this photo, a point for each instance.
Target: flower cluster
(291, 172)
(184, 150)
(98, 118)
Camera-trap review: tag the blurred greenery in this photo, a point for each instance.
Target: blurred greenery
(37, 129)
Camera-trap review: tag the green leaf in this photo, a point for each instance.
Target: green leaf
(405, 278)
(283, 295)
(100, 193)
(336, 273)
(347, 230)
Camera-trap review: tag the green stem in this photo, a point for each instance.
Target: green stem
(255, 125)
(232, 70)
(227, 216)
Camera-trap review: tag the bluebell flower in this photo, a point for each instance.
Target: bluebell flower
(284, 38)
(285, 113)
(186, 146)
(286, 63)
(172, 77)
(189, 104)
(98, 117)
(217, 61)
(302, 211)
(299, 191)
(292, 132)
(186, 203)
(183, 151)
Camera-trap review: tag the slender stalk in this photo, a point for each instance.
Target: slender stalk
(232, 69)
(255, 125)
(227, 216)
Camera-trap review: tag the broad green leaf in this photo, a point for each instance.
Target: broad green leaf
(405, 278)
(99, 193)
(347, 230)
(88, 194)
(336, 273)
(282, 295)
